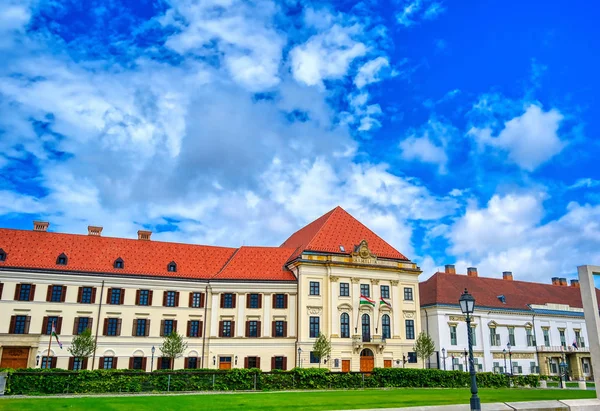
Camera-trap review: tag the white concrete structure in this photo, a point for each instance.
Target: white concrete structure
(589, 296)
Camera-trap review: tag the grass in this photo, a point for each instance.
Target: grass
(306, 401)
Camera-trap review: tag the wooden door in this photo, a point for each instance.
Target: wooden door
(14, 357)
(387, 363)
(367, 364)
(345, 365)
(224, 363)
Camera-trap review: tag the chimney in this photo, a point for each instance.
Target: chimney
(94, 230)
(563, 282)
(449, 269)
(144, 235)
(40, 226)
(507, 275)
(472, 271)
(575, 283)
(555, 281)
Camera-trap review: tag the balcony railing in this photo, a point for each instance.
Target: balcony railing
(560, 348)
(358, 341)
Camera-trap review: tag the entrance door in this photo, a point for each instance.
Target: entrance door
(224, 363)
(367, 360)
(345, 365)
(387, 363)
(14, 357)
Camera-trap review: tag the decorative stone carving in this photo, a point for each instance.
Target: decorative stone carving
(395, 283)
(344, 308)
(409, 314)
(375, 282)
(355, 280)
(517, 356)
(363, 255)
(334, 279)
(457, 318)
(314, 310)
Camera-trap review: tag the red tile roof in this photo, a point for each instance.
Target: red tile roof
(248, 263)
(443, 288)
(336, 228)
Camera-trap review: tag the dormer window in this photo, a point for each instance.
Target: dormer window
(119, 264)
(62, 259)
(502, 298)
(2, 255)
(172, 267)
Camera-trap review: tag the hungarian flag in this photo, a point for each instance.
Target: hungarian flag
(56, 335)
(384, 303)
(364, 300)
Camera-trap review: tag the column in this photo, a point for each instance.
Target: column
(397, 307)
(376, 296)
(214, 315)
(240, 321)
(355, 321)
(267, 317)
(333, 312)
(292, 315)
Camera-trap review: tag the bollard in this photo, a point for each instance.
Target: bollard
(213, 382)
(3, 376)
(254, 381)
(543, 384)
(582, 385)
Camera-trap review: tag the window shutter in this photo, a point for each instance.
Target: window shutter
(53, 362)
(32, 294)
(257, 362)
(71, 363)
(115, 362)
(222, 300)
(185, 362)
(108, 295)
(285, 301)
(134, 328)
(175, 325)
(137, 297)
(27, 323)
(90, 322)
(248, 300)
(164, 298)
(260, 300)
(150, 297)
(285, 363)
(131, 363)
(258, 327)
(84, 364)
(245, 362)
(49, 293)
(17, 291)
(11, 328)
(233, 328)
(273, 300)
(75, 325)
(1, 288)
(63, 296)
(162, 328)
(105, 326)
(45, 326)
(191, 302)
(147, 327)
(59, 325)
(122, 296)
(272, 328)
(101, 363)
(93, 295)
(189, 324)
(272, 363)
(176, 298)
(119, 326)
(233, 299)
(159, 363)
(144, 363)
(285, 329)
(220, 325)
(79, 294)
(247, 328)
(202, 296)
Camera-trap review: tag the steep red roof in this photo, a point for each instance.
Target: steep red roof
(338, 228)
(443, 288)
(251, 262)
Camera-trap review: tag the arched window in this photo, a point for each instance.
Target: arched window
(62, 259)
(172, 267)
(345, 326)
(119, 264)
(366, 328)
(2, 255)
(385, 326)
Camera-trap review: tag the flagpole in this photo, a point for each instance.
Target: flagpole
(49, 344)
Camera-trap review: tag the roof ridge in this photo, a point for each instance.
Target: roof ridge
(331, 213)
(226, 262)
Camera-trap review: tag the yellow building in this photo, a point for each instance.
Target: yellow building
(246, 307)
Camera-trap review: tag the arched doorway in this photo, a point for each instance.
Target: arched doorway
(367, 360)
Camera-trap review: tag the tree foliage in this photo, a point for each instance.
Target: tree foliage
(83, 345)
(173, 346)
(322, 347)
(424, 347)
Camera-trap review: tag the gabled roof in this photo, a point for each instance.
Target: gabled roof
(248, 263)
(444, 288)
(338, 228)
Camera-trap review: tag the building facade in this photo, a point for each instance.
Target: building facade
(518, 327)
(242, 307)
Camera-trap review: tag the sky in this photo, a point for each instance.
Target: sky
(461, 132)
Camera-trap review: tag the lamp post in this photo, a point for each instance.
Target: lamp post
(452, 362)
(563, 369)
(510, 357)
(444, 357)
(467, 306)
(505, 369)
(403, 360)
(299, 353)
(152, 360)
(466, 367)
(37, 360)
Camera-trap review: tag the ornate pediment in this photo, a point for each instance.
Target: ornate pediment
(362, 254)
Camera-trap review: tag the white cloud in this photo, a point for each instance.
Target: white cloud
(413, 10)
(369, 72)
(584, 183)
(530, 139)
(428, 144)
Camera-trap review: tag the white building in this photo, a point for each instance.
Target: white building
(543, 323)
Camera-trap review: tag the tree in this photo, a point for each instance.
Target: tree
(83, 345)
(322, 348)
(173, 346)
(424, 347)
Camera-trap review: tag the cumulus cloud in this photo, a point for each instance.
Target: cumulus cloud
(370, 71)
(428, 144)
(415, 10)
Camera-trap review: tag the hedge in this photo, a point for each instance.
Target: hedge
(55, 381)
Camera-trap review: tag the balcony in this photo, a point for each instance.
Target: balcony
(559, 349)
(376, 342)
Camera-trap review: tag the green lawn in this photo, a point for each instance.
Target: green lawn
(321, 400)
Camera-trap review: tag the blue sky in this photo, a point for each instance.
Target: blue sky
(461, 132)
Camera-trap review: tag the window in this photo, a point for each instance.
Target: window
(344, 290)
(253, 301)
(586, 368)
(141, 327)
(473, 336)
(494, 338)
(49, 322)
(313, 358)
(252, 329)
(252, 362)
(24, 292)
(511, 336)
(144, 297)
(82, 324)
(453, 335)
(314, 288)
(2, 255)
(226, 329)
(385, 326)
(86, 295)
(366, 328)
(563, 340)
(113, 326)
(580, 342)
(314, 327)
(410, 329)
(530, 342)
(61, 260)
(408, 293)
(48, 362)
(170, 299)
(192, 362)
(546, 332)
(137, 363)
(228, 300)
(172, 267)
(412, 356)
(21, 324)
(56, 293)
(108, 363)
(194, 328)
(279, 329)
(77, 364)
(164, 363)
(115, 296)
(168, 327)
(345, 325)
(196, 300)
(279, 363)
(280, 301)
(365, 290)
(119, 264)
(385, 291)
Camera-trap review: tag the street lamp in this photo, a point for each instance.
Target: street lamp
(563, 369)
(299, 353)
(505, 369)
(452, 362)
(467, 306)
(444, 357)
(152, 360)
(37, 360)
(466, 368)
(510, 357)
(403, 360)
